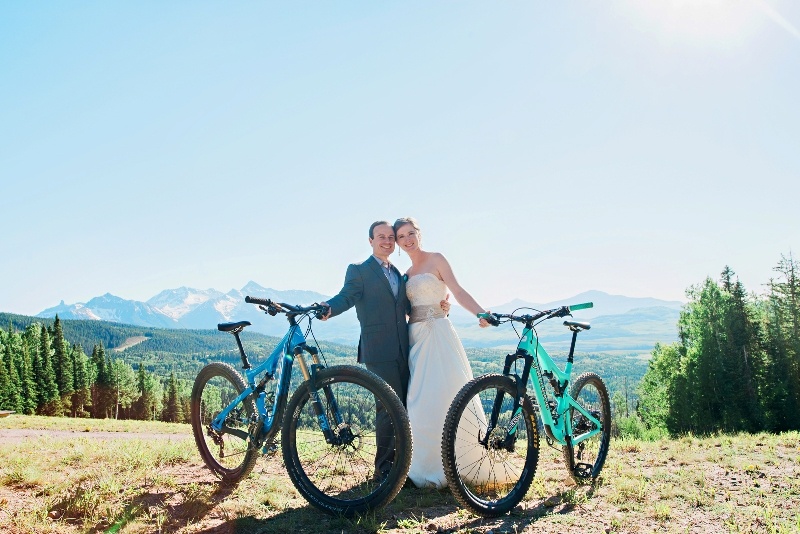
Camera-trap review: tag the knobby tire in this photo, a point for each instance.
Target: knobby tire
(511, 471)
(216, 385)
(590, 391)
(340, 478)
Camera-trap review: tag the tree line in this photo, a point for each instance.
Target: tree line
(42, 373)
(736, 365)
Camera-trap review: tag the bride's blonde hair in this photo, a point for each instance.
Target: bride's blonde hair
(402, 221)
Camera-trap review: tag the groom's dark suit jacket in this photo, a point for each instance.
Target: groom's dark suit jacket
(384, 331)
(383, 346)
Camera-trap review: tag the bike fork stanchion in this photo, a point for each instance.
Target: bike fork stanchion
(313, 392)
(521, 383)
(329, 397)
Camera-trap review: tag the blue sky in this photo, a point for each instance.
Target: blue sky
(546, 148)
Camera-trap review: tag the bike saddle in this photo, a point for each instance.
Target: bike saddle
(230, 327)
(577, 325)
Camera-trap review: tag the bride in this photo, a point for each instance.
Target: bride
(436, 353)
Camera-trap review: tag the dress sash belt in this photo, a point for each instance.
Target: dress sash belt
(425, 313)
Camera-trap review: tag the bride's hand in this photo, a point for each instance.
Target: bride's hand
(445, 305)
(483, 323)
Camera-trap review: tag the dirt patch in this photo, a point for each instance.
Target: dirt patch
(17, 435)
(130, 342)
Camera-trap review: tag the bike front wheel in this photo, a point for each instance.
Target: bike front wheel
(368, 426)
(589, 455)
(226, 452)
(489, 470)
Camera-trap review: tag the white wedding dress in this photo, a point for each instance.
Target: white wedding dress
(439, 369)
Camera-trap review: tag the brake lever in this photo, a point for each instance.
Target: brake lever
(319, 313)
(563, 311)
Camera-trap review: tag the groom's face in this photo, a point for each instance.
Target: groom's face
(382, 241)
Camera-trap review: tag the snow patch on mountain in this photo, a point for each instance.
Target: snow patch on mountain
(226, 306)
(175, 303)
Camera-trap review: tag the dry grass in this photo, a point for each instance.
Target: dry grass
(738, 483)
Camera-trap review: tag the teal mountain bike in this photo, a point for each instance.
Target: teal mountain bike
(329, 435)
(490, 441)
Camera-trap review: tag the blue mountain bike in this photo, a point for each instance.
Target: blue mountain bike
(490, 442)
(337, 424)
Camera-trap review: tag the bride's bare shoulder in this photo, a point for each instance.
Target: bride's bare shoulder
(438, 258)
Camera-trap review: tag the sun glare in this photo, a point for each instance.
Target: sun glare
(718, 23)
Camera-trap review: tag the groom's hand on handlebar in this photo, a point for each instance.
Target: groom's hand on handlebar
(445, 304)
(324, 316)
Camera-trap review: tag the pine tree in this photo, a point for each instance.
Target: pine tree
(5, 381)
(48, 397)
(173, 410)
(781, 399)
(30, 392)
(81, 396)
(27, 382)
(101, 387)
(11, 356)
(62, 363)
(745, 354)
(112, 390)
(143, 407)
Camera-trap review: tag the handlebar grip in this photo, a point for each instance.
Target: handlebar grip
(323, 312)
(583, 306)
(255, 300)
(491, 319)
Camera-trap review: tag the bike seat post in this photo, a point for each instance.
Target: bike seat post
(245, 362)
(572, 346)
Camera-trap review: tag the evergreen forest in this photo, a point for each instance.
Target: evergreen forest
(736, 366)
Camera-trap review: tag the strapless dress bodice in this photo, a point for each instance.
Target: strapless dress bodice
(425, 289)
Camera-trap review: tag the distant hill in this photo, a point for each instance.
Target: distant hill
(632, 324)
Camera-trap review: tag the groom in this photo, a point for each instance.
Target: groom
(377, 290)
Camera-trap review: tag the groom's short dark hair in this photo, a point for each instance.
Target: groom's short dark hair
(377, 223)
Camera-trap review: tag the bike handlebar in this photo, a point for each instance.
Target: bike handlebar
(255, 300)
(490, 318)
(494, 318)
(281, 307)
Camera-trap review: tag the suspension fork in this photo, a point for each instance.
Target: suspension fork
(520, 383)
(310, 375)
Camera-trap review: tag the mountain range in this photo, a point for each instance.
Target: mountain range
(619, 323)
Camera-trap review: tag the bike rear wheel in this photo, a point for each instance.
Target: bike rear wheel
(227, 452)
(491, 478)
(589, 455)
(341, 477)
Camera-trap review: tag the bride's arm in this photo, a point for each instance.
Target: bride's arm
(461, 295)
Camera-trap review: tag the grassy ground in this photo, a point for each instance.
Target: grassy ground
(72, 483)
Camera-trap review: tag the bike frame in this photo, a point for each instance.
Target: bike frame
(278, 366)
(557, 426)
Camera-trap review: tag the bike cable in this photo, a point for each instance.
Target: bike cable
(310, 331)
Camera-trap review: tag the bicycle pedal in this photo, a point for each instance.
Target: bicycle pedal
(270, 449)
(583, 470)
